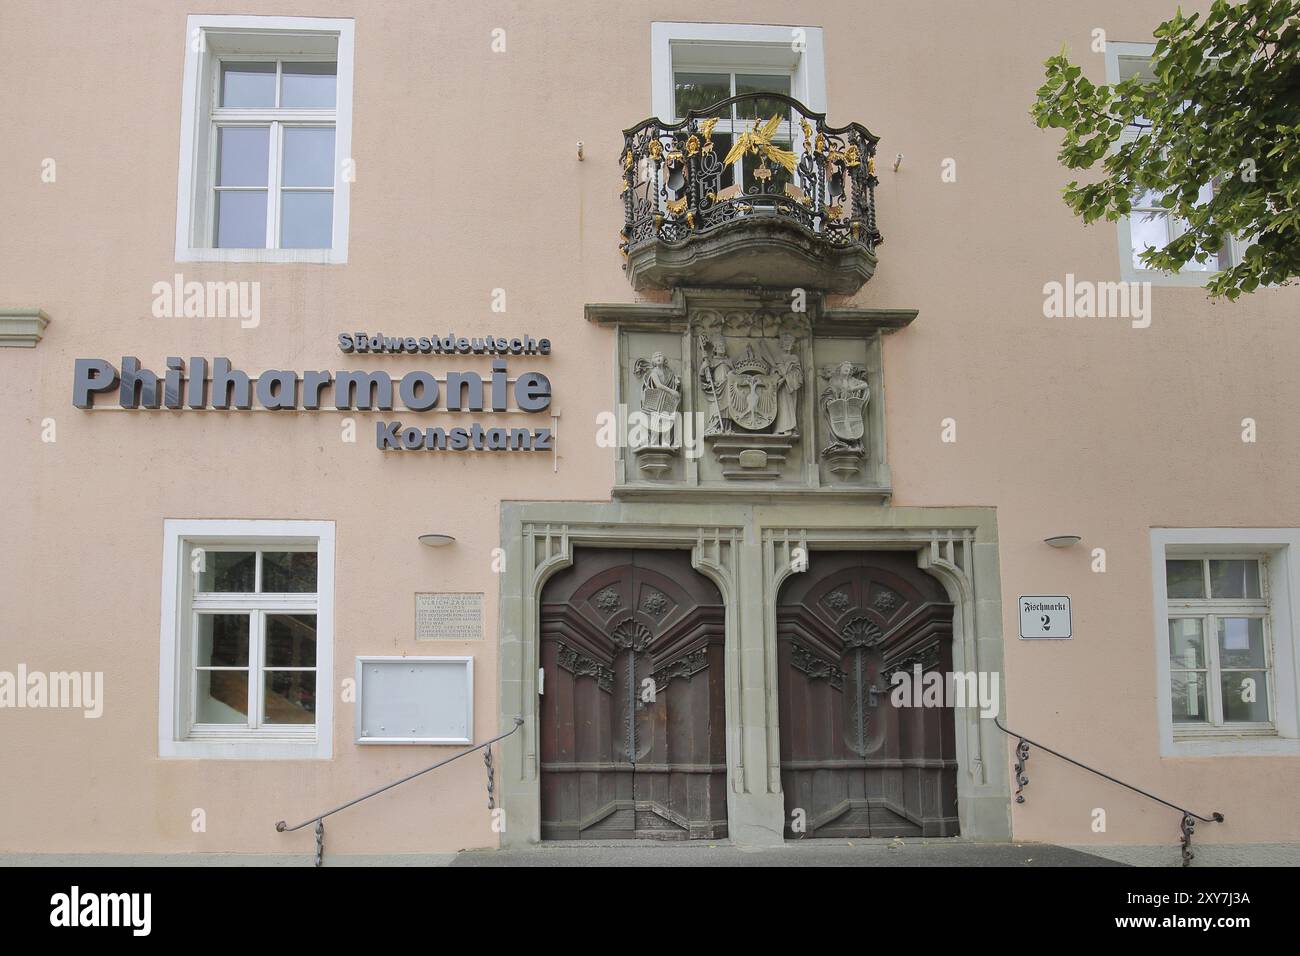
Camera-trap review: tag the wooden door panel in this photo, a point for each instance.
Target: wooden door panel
(855, 765)
(615, 764)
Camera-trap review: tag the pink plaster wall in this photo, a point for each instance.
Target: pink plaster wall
(1076, 425)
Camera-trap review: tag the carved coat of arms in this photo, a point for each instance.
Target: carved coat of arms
(751, 392)
(844, 400)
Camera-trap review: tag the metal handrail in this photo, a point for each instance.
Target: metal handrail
(1186, 826)
(282, 827)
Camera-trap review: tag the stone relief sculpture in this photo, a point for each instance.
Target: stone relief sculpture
(754, 391)
(661, 398)
(844, 401)
(715, 367)
(750, 376)
(750, 392)
(790, 375)
(737, 389)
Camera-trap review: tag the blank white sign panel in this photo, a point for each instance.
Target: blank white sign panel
(415, 700)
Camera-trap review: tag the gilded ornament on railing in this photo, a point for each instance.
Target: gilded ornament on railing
(656, 150)
(759, 142)
(627, 160)
(676, 206)
(692, 145)
(706, 130)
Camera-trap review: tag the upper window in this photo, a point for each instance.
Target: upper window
(696, 64)
(1226, 645)
(247, 639)
(700, 88)
(1220, 645)
(265, 140)
(1150, 225)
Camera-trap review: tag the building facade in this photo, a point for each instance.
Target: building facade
(788, 465)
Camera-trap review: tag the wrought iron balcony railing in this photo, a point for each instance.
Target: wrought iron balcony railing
(786, 175)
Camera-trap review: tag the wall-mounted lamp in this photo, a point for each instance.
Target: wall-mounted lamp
(1062, 540)
(898, 161)
(579, 150)
(436, 540)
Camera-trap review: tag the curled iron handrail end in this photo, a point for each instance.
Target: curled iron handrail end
(281, 827)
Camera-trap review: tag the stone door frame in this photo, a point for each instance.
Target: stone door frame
(748, 550)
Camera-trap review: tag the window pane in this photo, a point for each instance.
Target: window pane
(290, 697)
(248, 84)
(222, 641)
(1188, 697)
(1245, 696)
(241, 219)
(1184, 579)
(222, 697)
(1148, 229)
(308, 85)
(762, 109)
(1186, 642)
(1241, 642)
(306, 220)
(308, 156)
(285, 572)
(291, 640)
(721, 147)
(228, 571)
(695, 91)
(242, 155)
(1234, 579)
(1148, 200)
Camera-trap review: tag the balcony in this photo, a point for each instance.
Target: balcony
(755, 190)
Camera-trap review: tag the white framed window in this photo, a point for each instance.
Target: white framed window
(1226, 643)
(694, 65)
(697, 86)
(1150, 225)
(693, 62)
(246, 652)
(1220, 644)
(266, 132)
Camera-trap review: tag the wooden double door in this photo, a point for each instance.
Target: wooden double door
(632, 719)
(852, 763)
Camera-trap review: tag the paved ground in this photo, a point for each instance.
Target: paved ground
(809, 853)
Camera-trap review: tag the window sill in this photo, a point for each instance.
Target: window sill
(1192, 280)
(1243, 745)
(246, 748)
(317, 256)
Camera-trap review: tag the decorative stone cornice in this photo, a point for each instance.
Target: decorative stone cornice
(22, 328)
(672, 314)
